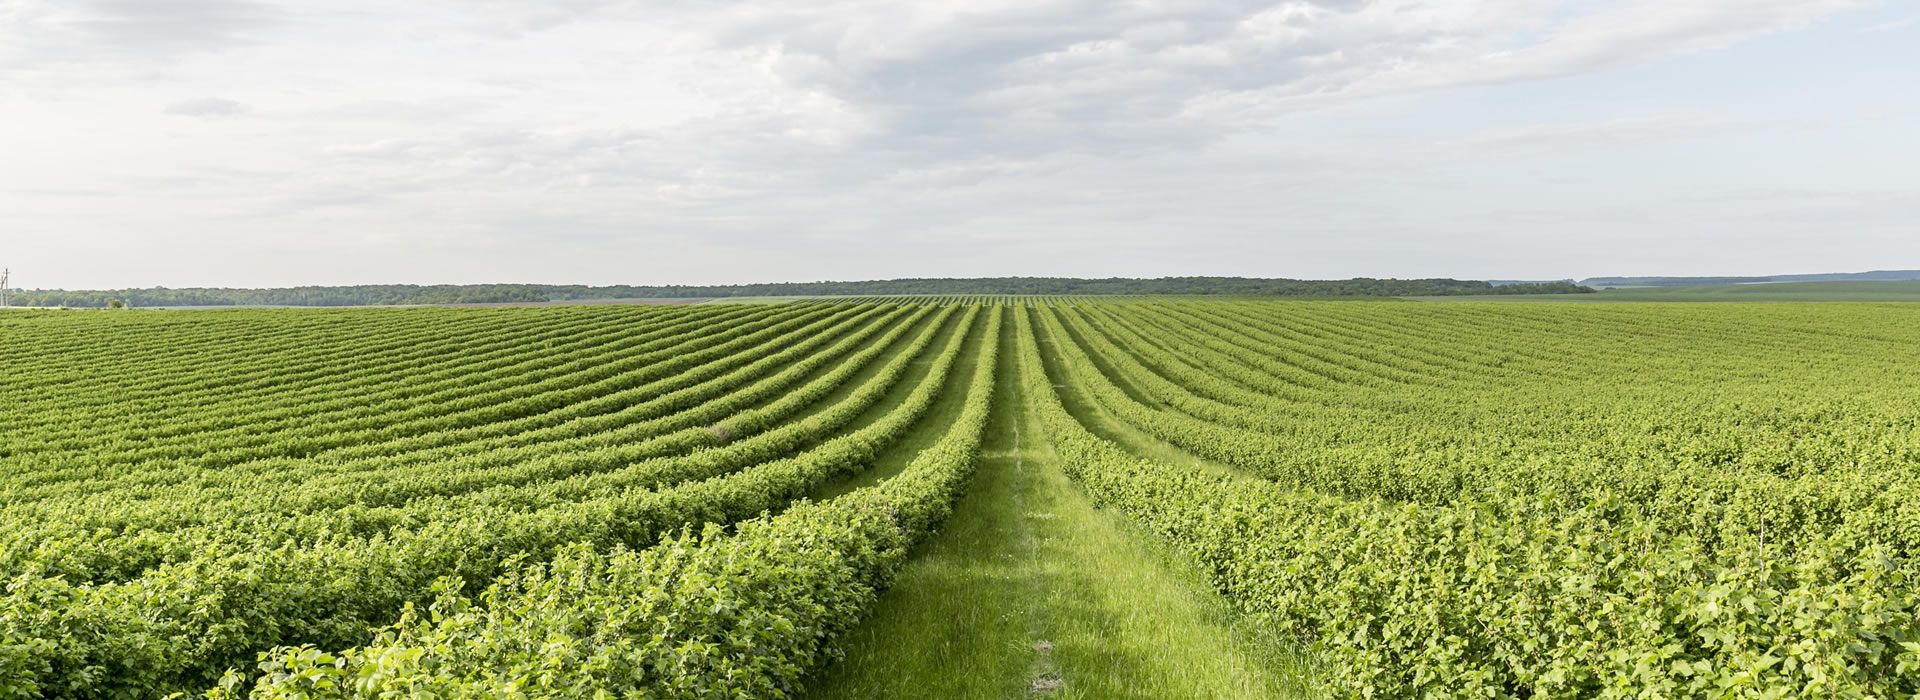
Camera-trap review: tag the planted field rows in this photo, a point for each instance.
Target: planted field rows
(1387, 499)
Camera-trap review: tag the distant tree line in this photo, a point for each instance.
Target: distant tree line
(396, 294)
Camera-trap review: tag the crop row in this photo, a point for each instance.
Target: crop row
(199, 375)
(642, 400)
(120, 534)
(514, 386)
(1516, 598)
(715, 614)
(333, 577)
(1816, 490)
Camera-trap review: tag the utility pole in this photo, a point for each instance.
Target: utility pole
(3, 288)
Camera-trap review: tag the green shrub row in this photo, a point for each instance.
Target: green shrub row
(1522, 601)
(283, 422)
(180, 625)
(101, 539)
(745, 614)
(511, 387)
(1714, 503)
(412, 366)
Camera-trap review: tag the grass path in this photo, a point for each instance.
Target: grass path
(1030, 592)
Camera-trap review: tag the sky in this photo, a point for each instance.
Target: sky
(262, 143)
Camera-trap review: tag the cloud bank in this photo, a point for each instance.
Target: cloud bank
(608, 141)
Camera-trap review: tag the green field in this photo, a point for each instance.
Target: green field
(1773, 291)
(970, 497)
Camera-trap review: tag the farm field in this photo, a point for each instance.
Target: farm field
(1880, 291)
(963, 496)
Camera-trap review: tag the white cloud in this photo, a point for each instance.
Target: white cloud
(1609, 133)
(817, 134)
(207, 107)
(1410, 46)
(44, 33)
(1894, 24)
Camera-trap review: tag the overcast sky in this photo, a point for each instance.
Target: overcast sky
(256, 143)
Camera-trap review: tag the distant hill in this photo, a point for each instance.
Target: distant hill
(1874, 276)
(393, 294)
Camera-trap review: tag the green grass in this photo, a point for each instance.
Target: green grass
(1030, 591)
(1781, 291)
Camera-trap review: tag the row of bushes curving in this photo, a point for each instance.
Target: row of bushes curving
(332, 577)
(1527, 600)
(713, 614)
